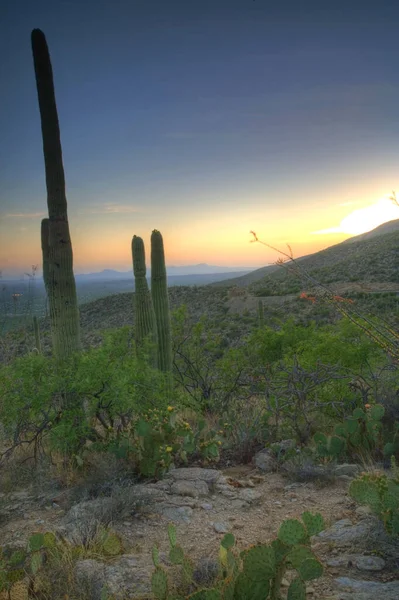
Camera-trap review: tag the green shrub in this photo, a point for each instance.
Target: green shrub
(161, 437)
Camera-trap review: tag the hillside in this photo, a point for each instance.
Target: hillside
(373, 258)
(368, 270)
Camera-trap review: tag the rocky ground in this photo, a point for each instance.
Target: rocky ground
(361, 561)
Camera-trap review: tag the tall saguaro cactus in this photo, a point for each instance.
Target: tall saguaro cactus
(145, 325)
(56, 241)
(160, 300)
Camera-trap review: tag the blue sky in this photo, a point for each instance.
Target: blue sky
(203, 119)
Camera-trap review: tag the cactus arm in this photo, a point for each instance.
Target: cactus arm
(159, 292)
(145, 326)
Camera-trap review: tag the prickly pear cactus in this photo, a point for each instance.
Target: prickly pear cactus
(291, 532)
(112, 545)
(297, 590)
(259, 563)
(258, 571)
(19, 591)
(381, 494)
(176, 555)
(35, 542)
(172, 535)
(206, 595)
(159, 584)
(332, 445)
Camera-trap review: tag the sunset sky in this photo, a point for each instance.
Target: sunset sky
(204, 119)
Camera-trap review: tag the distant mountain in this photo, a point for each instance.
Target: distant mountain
(200, 269)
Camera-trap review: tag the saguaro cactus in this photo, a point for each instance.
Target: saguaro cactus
(145, 325)
(56, 241)
(160, 300)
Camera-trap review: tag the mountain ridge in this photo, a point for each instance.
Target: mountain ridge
(341, 252)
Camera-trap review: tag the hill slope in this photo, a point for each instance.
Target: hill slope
(371, 257)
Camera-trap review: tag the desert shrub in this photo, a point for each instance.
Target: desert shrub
(45, 567)
(107, 397)
(93, 397)
(245, 428)
(159, 438)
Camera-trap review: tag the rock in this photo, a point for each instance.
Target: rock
(265, 461)
(227, 491)
(286, 445)
(347, 469)
(344, 532)
(250, 496)
(175, 501)
(206, 506)
(363, 511)
(126, 577)
(190, 488)
(221, 527)
(210, 476)
(237, 503)
(370, 563)
(360, 561)
(177, 514)
(367, 590)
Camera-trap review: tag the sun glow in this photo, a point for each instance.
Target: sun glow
(364, 219)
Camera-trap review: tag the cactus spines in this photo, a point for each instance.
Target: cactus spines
(176, 555)
(291, 532)
(35, 542)
(314, 523)
(298, 555)
(56, 242)
(228, 541)
(36, 562)
(159, 584)
(259, 563)
(19, 591)
(310, 569)
(112, 545)
(172, 535)
(145, 325)
(159, 292)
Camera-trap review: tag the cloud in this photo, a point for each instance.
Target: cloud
(365, 219)
(112, 208)
(325, 231)
(24, 215)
